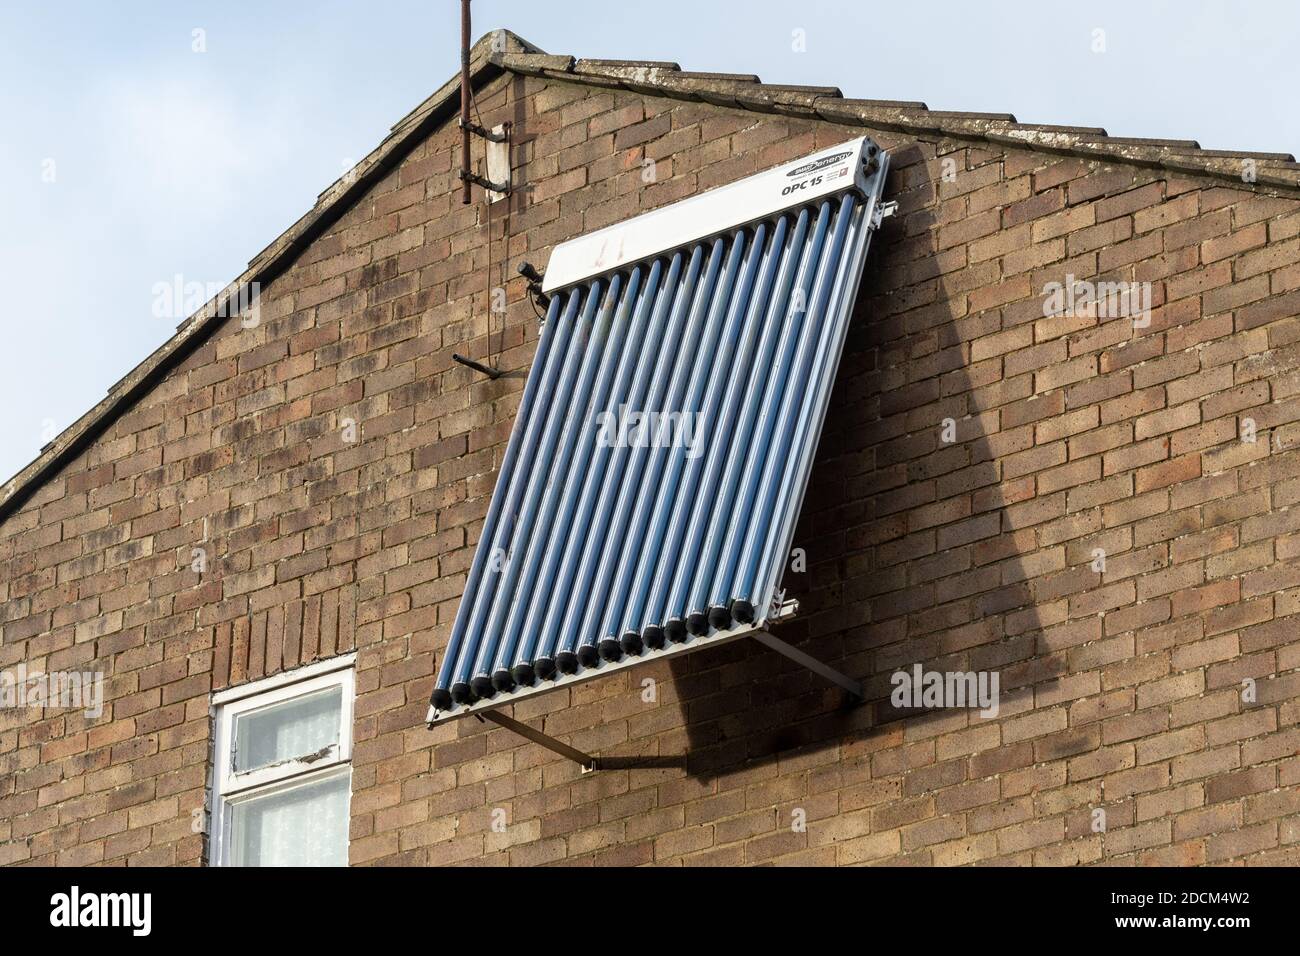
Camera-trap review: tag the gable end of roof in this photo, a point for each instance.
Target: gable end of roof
(502, 51)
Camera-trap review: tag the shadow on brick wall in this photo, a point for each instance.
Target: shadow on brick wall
(889, 582)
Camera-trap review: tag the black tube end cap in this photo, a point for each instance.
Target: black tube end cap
(697, 622)
(632, 644)
(720, 617)
(567, 662)
(441, 699)
(588, 656)
(523, 674)
(482, 686)
(675, 629)
(611, 650)
(461, 693)
(742, 611)
(545, 667)
(503, 681)
(653, 636)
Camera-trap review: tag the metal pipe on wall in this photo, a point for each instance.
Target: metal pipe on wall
(464, 102)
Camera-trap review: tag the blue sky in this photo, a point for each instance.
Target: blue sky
(127, 158)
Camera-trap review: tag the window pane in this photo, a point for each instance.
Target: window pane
(290, 730)
(305, 825)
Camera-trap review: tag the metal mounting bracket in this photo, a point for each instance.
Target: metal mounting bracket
(588, 763)
(782, 607)
(881, 212)
(811, 663)
(489, 371)
(497, 135)
(499, 188)
(499, 177)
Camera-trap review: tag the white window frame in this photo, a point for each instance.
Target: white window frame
(230, 787)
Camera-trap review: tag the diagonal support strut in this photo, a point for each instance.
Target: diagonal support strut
(586, 761)
(811, 663)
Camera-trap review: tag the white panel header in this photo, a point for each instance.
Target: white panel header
(847, 166)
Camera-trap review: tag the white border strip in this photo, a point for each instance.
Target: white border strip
(263, 684)
(824, 173)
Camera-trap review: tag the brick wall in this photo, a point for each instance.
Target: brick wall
(1121, 690)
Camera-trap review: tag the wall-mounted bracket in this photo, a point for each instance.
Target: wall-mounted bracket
(488, 370)
(497, 135)
(782, 606)
(811, 663)
(500, 189)
(534, 278)
(586, 761)
(882, 212)
(498, 179)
